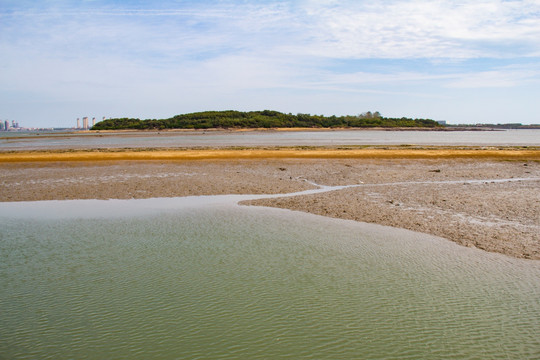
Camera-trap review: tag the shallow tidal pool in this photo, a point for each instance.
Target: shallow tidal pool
(204, 278)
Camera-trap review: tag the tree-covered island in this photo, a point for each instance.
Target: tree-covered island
(231, 119)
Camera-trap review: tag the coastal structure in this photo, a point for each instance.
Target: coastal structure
(85, 123)
(6, 125)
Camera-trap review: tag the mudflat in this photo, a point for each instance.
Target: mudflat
(486, 198)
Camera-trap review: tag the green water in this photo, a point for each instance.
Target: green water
(231, 282)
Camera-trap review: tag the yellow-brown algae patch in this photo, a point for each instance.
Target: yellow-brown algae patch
(309, 153)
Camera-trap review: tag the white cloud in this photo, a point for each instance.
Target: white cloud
(326, 29)
(425, 29)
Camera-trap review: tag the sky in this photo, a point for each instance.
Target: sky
(459, 61)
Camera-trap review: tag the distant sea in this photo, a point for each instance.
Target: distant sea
(171, 139)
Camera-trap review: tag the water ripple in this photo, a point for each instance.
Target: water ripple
(233, 282)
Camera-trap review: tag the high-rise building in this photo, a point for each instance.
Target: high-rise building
(6, 125)
(93, 121)
(78, 123)
(85, 123)
(1, 125)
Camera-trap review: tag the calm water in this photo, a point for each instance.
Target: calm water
(203, 278)
(32, 141)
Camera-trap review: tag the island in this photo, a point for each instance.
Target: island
(264, 119)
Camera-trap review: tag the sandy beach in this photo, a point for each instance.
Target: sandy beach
(485, 198)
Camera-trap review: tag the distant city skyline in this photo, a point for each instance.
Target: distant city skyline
(460, 62)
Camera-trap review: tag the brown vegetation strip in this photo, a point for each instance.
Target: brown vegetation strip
(295, 153)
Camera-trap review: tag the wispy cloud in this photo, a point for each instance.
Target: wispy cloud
(426, 29)
(498, 78)
(345, 29)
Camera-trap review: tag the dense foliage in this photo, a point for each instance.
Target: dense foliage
(262, 119)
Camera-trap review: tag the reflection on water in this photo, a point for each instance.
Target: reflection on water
(210, 279)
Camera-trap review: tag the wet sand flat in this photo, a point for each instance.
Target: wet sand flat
(487, 198)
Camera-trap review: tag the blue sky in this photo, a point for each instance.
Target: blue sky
(460, 61)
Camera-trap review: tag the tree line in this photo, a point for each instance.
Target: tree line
(231, 119)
